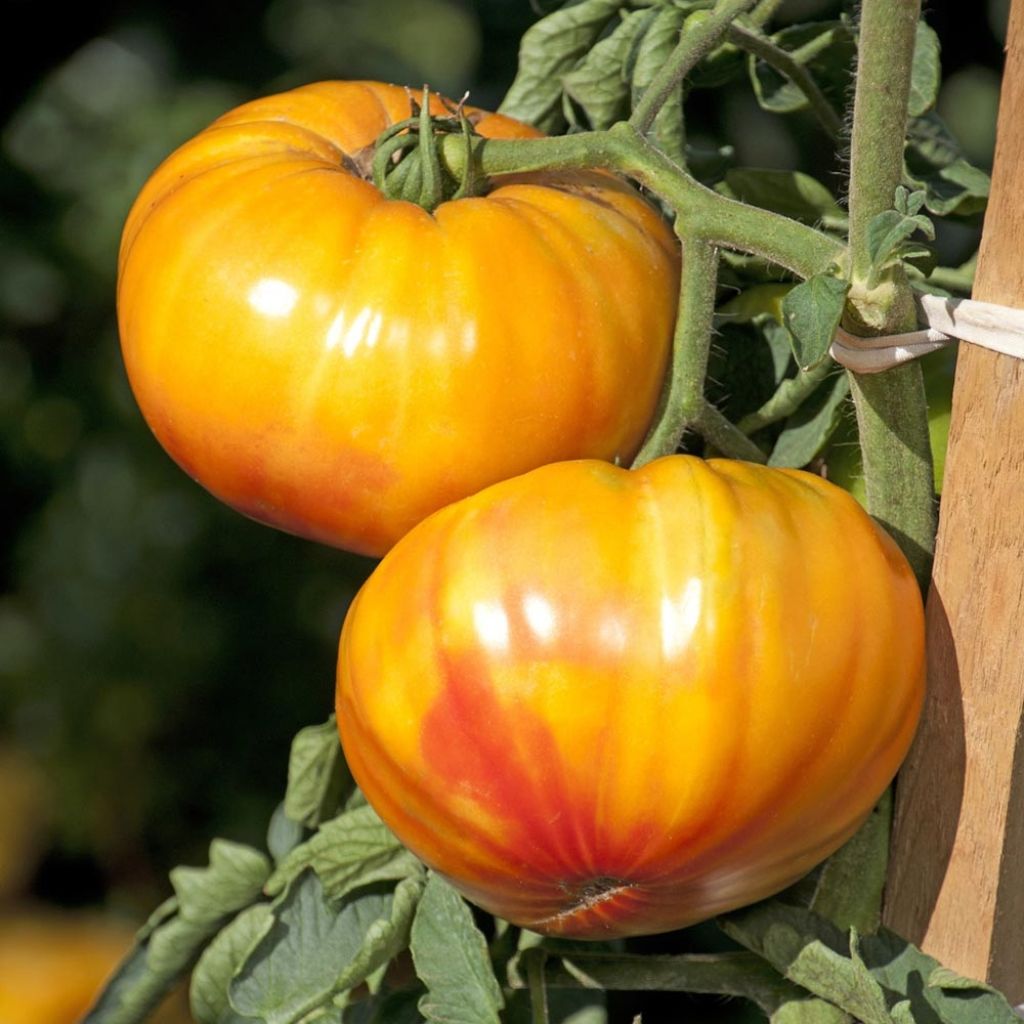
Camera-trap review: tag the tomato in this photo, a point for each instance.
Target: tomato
(339, 364)
(605, 702)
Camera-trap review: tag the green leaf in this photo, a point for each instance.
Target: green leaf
(354, 849)
(888, 235)
(451, 958)
(656, 44)
(386, 937)
(599, 84)
(317, 774)
(808, 431)
(234, 878)
(936, 164)
(809, 1011)
(221, 961)
(826, 49)
(948, 980)
(812, 311)
(791, 193)
(205, 898)
(869, 977)
(926, 72)
(283, 834)
(312, 951)
(849, 889)
(550, 50)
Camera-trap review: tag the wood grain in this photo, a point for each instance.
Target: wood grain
(956, 881)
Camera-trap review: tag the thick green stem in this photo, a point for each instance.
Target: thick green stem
(682, 400)
(784, 62)
(764, 12)
(885, 50)
(703, 213)
(725, 437)
(891, 406)
(727, 974)
(701, 34)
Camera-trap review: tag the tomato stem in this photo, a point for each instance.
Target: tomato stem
(892, 412)
(683, 406)
(786, 64)
(706, 214)
(702, 31)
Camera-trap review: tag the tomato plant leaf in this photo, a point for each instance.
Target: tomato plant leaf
(354, 849)
(791, 193)
(926, 71)
(221, 961)
(866, 976)
(656, 44)
(889, 232)
(304, 958)
(826, 49)
(549, 50)
(599, 84)
(849, 889)
(283, 834)
(233, 879)
(935, 162)
(450, 954)
(168, 944)
(812, 311)
(808, 430)
(809, 1010)
(386, 937)
(317, 774)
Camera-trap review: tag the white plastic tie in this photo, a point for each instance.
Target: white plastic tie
(999, 328)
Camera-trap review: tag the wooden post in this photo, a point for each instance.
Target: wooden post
(956, 881)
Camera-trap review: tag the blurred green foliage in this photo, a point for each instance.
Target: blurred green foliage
(157, 651)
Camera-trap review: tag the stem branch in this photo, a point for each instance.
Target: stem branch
(788, 397)
(682, 401)
(699, 37)
(784, 62)
(705, 214)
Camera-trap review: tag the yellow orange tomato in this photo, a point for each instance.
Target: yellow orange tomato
(605, 702)
(339, 364)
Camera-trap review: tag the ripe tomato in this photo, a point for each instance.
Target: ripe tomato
(606, 703)
(340, 365)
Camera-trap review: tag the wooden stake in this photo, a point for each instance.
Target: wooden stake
(956, 881)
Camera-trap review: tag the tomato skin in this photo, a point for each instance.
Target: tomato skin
(606, 703)
(340, 365)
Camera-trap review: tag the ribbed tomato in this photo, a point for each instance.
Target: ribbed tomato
(340, 364)
(605, 702)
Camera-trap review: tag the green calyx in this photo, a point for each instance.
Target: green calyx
(407, 163)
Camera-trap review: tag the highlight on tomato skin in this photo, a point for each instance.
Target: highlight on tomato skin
(605, 702)
(339, 364)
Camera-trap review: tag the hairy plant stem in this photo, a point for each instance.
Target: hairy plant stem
(764, 12)
(682, 399)
(728, 974)
(703, 214)
(891, 407)
(784, 62)
(700, 35)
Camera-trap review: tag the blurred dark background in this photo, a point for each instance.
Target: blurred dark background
(158, 651)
